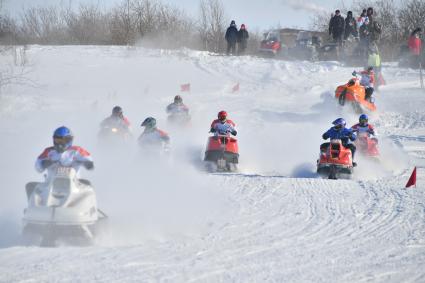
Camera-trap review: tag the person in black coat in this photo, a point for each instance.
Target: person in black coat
(231, 38)
(350, 26)
(336, 27)
(242, 39)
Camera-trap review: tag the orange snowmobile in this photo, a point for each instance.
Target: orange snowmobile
(222, 153)
(354, 93)
(335, 160)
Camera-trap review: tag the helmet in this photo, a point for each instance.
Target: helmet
(178, 99)
(62, 139)
(363, 119)
(242, 26)
(370, 69)
(222, 115)
(117, 111)
(339, 123)
(232, 22)
(149, 123)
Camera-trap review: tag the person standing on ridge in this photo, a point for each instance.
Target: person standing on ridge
(336, 27)
(242, 39)
(231, 38)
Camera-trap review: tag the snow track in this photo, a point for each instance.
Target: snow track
(275, 221)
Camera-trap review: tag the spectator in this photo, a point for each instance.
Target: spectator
(231, 38)
(374, 28)
(361, 19)
(374, 60)
(350, 26)
(364, 39)
(242, 39)
(336, 27)
(415, 45)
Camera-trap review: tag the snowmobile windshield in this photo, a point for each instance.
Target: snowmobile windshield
(271, 36)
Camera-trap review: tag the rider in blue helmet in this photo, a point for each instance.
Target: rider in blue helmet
(62, 139)
(63, 152)
(340, 132)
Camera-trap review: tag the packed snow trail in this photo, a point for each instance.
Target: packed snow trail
(169, 220)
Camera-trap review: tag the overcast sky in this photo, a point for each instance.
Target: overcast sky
(261, 14)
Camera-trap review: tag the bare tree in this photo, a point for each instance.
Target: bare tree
(212, 24)
(320, 21)
(411, 16)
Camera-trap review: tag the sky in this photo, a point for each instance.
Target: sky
(255, 14)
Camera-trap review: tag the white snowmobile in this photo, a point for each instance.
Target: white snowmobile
(62, 208)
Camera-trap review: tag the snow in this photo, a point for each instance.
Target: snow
(169, 221)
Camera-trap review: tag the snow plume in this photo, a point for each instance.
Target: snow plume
(304, 6)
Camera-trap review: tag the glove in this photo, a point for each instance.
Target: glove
(46, 163)
(354, 73)
(212, 130)
(234, 132)
(89, 165)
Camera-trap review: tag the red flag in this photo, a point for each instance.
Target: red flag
(185, 87)
(412, 179)
(235, 88)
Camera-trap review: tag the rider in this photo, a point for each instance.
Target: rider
(152, 135)
(339, 131)
(364, 127)
(117, 120)
(64, 152)
(367, 80)
(223, 126)
(177, 107)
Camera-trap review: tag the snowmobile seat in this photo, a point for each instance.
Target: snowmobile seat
(85, 182)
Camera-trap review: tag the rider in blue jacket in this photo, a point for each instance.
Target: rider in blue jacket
(339, 131)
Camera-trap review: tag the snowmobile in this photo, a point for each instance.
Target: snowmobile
(181, 119)
(271, 45)
(153, 148)
(63, 208)
(335, 160)
(367, 146)
(355, 94)
(111, 134)
(222, 154)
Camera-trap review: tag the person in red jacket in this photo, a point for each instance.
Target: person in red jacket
(415, 46)
(414, 42)
(222, 125)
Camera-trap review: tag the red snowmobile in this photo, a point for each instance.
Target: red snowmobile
(367, 146)
(335, 160)
(222, 153)
(355, 94)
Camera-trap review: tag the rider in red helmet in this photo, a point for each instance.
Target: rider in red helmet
(222, 125)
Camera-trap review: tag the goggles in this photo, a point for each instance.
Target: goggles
(61, 140)
(363, 121)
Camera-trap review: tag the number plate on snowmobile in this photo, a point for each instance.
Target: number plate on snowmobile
(221, 163)
(63, 171)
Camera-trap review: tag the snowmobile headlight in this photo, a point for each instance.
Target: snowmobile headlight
(114, 130)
